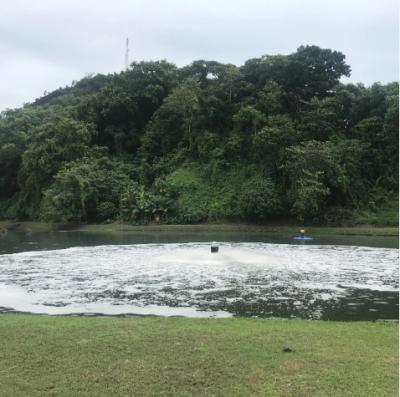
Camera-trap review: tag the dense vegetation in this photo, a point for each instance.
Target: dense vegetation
(277, 138)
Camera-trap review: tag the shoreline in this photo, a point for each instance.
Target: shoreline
(189, 318)
(36, 227)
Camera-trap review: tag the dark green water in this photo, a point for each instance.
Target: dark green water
(18, 242)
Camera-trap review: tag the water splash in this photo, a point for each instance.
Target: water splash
(268, 280)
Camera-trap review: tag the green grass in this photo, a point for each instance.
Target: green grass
(150, 356)
(361, 230)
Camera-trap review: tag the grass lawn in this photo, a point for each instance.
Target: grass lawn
(152, 356)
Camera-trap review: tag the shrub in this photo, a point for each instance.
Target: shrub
(310, 196)
(258, 199)
(82, 188)
(106, 210)
(338, 216)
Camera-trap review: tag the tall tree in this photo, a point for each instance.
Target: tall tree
(54, 144)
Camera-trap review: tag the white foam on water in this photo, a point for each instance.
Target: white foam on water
(187, 279)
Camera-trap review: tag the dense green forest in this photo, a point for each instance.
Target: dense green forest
(279, 138)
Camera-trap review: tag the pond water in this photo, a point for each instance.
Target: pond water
(263, 275)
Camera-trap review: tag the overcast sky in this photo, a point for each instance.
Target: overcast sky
(45, 44)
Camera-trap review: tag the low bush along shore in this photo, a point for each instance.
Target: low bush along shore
(144, 356)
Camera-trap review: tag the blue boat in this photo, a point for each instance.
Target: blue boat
(303, 238)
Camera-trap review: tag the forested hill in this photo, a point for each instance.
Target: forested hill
(277, 138)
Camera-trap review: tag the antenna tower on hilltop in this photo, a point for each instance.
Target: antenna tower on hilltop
(127, 54)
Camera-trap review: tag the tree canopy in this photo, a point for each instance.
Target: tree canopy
(277, 138)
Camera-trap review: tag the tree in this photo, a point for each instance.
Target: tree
(310, 71)
(319, 119)
(258, 199)
(330, 173)
(270, 142)
(311, 173)
(86, 190)
(271, 99)
(16, 130)
(248, 119)
(184, 101)
(313, 71)
(54, 144)
(259, 71)
(208, 141)
(310, 196)
(112, 111)
(140, 205)
(391, 141)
